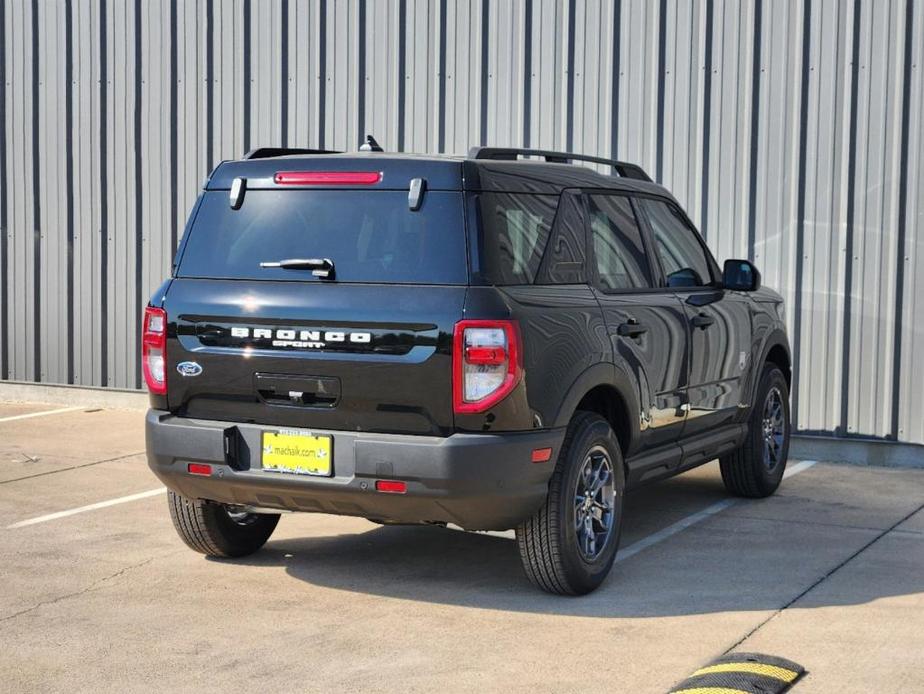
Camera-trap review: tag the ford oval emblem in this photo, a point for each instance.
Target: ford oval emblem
(188, 368)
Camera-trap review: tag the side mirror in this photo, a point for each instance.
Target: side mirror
(740, 276)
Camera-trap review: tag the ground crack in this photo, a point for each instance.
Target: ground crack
(93, 586)
(72, 467)
(822, 579)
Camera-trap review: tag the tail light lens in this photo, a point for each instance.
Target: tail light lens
(154, 349)
(486, 363)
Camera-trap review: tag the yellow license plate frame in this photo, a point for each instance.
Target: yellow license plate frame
(297, 451)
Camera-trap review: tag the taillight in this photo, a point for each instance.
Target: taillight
(486, 363)
(154, 349)
(327, 178)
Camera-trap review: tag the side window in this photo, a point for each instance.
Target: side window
(617, 241)
(563, 262)
(682, 255)
(514, 232)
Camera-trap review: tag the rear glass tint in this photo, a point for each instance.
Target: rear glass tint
(371, 236)
(513, 234)
(617, 239)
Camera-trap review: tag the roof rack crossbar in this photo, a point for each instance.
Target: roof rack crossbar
(623, 168)
(268, 152)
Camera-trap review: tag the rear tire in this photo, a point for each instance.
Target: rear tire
(216, 530)
(756, 469)
(562, 551)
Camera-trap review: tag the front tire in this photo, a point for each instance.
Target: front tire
(217, 530)
(756, 469)
(569, 544)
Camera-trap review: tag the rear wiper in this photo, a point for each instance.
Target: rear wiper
(321, 267)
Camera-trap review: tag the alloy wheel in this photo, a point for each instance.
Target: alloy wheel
(773, 429)
(594, 503)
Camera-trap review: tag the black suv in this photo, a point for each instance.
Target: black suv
(503, 340)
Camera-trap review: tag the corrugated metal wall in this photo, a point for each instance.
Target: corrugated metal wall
(792, 131)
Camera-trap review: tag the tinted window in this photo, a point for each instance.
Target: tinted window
(618, 248)
(682, 255)
(371, 236)
(513, 234)
(563, 262)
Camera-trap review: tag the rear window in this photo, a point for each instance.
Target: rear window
(371, 236)
(513, 234)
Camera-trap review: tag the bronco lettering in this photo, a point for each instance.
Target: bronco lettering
(303, 339)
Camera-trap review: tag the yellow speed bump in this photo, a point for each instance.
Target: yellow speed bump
(742, 673)
(779, 673)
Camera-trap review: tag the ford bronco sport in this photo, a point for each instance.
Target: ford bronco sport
(503, 340)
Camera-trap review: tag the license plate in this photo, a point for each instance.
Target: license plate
(301, 452)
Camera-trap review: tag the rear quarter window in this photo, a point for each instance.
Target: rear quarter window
(512, 233)
(371, 236)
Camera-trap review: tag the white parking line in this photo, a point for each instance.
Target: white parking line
(39, 414)
(91, 507)
(684, 523)
(671, 530)
(798, 467)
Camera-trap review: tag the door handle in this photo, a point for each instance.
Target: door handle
(631, 328)
(702, 320)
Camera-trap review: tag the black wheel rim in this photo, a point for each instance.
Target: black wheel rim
(594, 503)
(773, 429)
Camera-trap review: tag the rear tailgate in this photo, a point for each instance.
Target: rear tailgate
(366, 348)
(375, 357)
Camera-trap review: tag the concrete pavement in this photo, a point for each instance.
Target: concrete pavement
(829, 573)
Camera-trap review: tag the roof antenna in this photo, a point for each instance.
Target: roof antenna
(370, 145)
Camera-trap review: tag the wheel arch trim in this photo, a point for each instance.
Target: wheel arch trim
(611, 376)
(777, 339)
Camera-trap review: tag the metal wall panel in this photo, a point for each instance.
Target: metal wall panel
(910, 392)
(792, 131)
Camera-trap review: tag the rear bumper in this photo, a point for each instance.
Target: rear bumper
(477, 481)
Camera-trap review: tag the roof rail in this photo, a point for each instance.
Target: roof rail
(268, 152)
(623, 168)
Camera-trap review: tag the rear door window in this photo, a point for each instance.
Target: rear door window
(617, 241)
(371, 236)
(512, 235)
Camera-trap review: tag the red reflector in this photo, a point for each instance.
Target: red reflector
(390, 486)
(542, 455)
(327, 178)
(490, 356)
(199, 469)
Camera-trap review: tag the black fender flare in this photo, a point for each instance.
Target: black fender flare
(603, 374)
(776, 338)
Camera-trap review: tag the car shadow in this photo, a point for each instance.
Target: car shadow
(735, 567)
